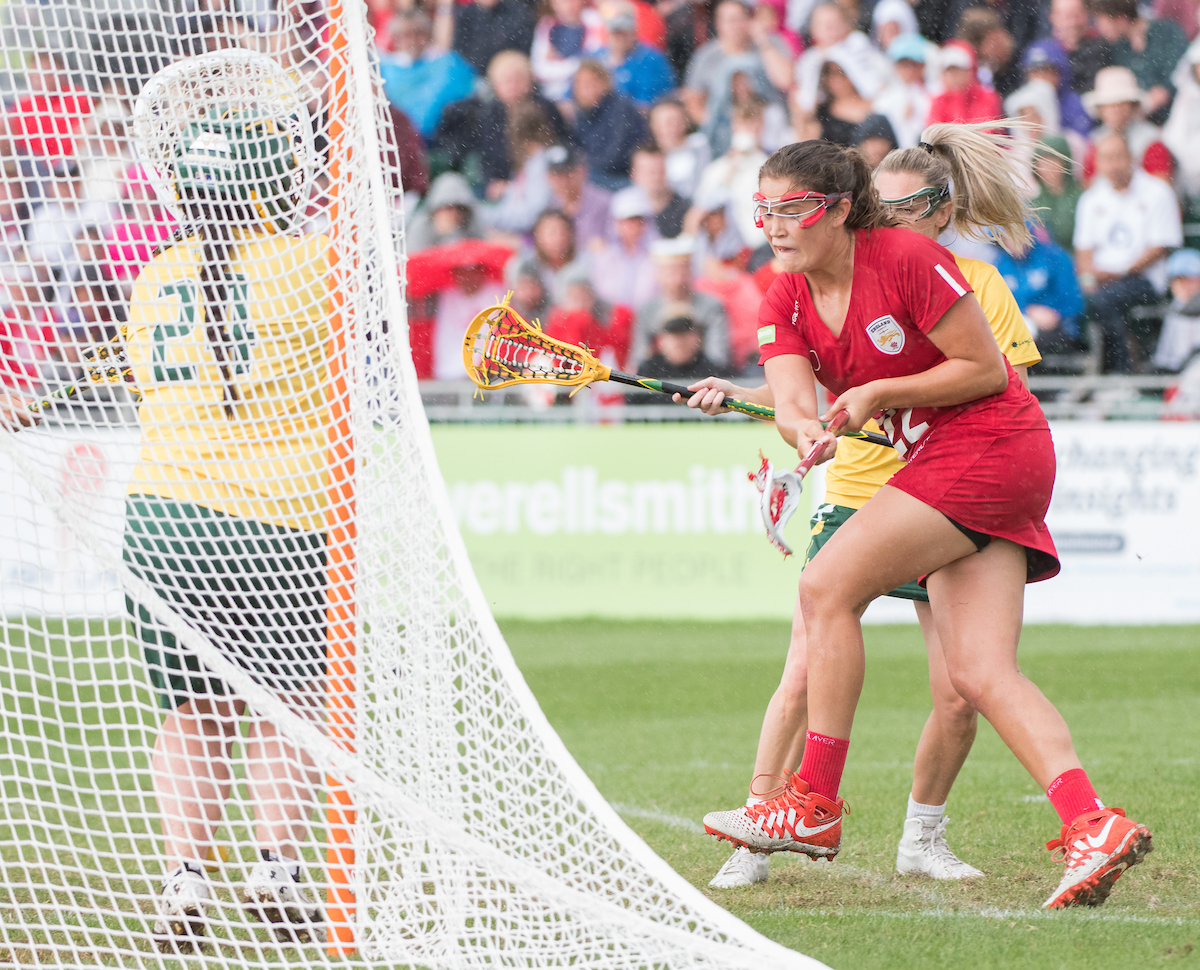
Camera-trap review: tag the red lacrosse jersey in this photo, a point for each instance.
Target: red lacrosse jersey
(903, 284)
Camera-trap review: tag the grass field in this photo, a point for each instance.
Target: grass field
(665, 717)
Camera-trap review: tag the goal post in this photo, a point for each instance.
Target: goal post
(254, 707)
(340, 648)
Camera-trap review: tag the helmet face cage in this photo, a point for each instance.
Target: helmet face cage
(227, 127)
(764, 207)
(920, 205)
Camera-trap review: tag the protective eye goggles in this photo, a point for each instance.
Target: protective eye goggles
(807, 218)
(920, 205)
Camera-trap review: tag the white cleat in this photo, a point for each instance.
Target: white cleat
(1097, 848)
(743, 868)
(182, 909)
(794, 820)
(275, 896)
(923, 851)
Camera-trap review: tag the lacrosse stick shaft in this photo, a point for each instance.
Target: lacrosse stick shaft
(810, 459)
(743, 407)
(70, 390)
(666, 387)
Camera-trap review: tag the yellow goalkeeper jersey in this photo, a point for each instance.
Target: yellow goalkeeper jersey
(861, 469)
(267, 460)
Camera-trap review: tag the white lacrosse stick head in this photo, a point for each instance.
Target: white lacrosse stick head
(778, 501)
(231, 123)
(781, 489)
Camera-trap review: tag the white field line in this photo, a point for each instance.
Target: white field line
(847, 870)
(674, 821)
(1009, 915)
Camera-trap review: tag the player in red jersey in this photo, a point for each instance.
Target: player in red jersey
(883, 318)
(968, 176)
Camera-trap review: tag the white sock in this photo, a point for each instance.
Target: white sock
(927, 812)
(752, 800)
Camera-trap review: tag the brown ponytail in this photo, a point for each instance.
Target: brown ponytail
(822, 166)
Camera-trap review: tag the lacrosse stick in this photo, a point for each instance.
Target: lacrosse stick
(501, 349)
(102, 365)
(781, 489)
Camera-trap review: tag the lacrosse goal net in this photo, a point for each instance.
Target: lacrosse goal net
(214, 199)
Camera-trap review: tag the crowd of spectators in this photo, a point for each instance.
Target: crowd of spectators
(78, 220)
(79, 217)
(613, 147)
(597, 160)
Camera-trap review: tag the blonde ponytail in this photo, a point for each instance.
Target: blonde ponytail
(983, 169)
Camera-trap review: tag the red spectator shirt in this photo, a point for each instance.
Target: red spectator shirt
(903, 284)
(972, 104)
(606, 339)
(23, 346)
(45, 124)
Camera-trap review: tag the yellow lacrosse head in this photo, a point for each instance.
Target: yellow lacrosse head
(501, 348)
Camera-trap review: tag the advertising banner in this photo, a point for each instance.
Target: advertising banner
(659, 520)
(43, 567)
(1126, 519)
(645, 521)
(620, 520)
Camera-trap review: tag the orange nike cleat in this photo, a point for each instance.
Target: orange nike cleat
(795, 820)
(1097, 847)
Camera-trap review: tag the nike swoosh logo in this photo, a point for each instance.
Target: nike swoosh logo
(802, 829)
(1096, 841)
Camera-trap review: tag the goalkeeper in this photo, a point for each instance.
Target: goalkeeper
(225, 510)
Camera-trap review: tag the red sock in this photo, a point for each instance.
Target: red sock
(1071, 794)
(824, 759)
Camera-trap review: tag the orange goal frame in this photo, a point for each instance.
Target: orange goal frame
(341, 531)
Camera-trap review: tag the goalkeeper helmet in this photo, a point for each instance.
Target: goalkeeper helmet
(228, 127)
(238, 157)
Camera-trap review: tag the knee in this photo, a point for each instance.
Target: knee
(954, 710)
(970, 686)
(818, 597)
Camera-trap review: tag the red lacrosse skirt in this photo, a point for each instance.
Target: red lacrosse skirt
(990, 468)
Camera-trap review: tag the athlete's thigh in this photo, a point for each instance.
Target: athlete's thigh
(891, 540)
(977, 604)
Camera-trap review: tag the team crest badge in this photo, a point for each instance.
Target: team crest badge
(887, 335)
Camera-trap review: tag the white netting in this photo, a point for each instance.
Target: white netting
(256, 99)
(261, 490)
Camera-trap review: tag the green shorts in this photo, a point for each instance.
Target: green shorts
(256, 590)
(825, 522)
